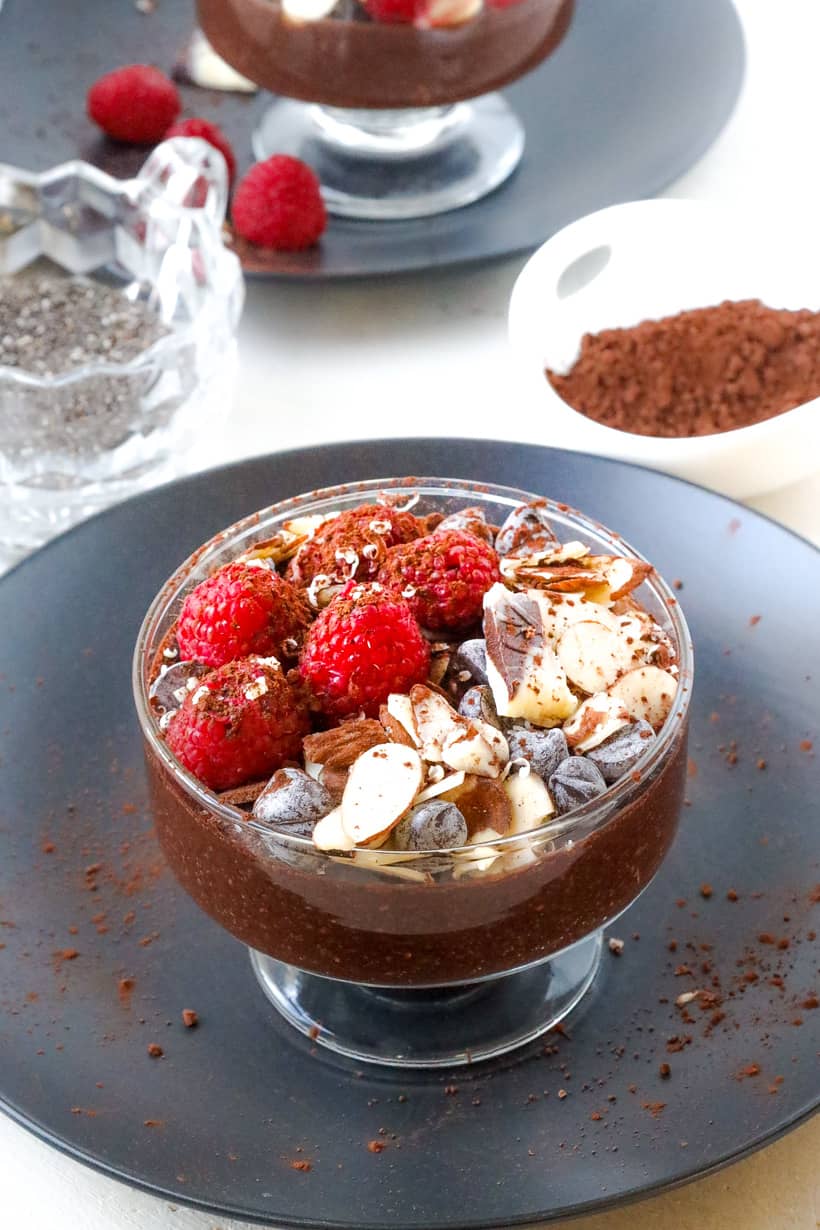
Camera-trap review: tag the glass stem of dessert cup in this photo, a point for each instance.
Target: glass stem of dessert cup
(432, 1027)
(397, 163)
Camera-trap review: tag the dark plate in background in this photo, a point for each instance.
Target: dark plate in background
(636, 93)
(218, 1121)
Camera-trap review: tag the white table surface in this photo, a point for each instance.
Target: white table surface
(427, 355)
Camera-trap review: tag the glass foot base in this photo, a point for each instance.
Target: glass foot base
(397, 164)
(436, 1027)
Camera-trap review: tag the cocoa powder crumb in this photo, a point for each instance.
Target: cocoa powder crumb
(732, 895)
(706, 890)
(155, 1050)
(189, 1018)
(664, 1071)
(806, 745)
(376, 1146)
(655, 1109)
(304, 1165)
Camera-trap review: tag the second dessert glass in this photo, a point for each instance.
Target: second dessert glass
(405, 959)
(372, 92)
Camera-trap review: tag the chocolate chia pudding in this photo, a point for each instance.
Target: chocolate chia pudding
(453, 749)
(371, 55)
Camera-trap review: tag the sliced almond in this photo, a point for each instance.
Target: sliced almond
(599, 717)
(621, 575)
(450, 12)
(480, 749)
(400, 708)
(593, 656)
(648, 693)
(447, 785)
(435, 721)
(381, 786)
(329, 833)
(529, 800)
(307, 10)
(393, 728)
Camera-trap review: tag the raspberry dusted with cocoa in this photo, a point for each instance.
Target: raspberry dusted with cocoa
(242, 609)
(243, 722)
(353, 546)
(137, 104)
(443, 576)
(363, 646)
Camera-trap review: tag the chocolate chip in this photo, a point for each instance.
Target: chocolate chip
(575, 782)
(169, 689)
(477, 704)
(472, 656)
(292, 801)
(617, 754)
(434, 825)
(545, 750)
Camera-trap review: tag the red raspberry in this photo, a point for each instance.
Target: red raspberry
(136, 104)
(394, 11)
(211, 133)
(363, 646)
(241, 610)
(368, 530)
(443, 577)
(240, 724)
(278, 205)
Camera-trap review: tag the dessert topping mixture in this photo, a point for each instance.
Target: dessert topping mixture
(310, 668)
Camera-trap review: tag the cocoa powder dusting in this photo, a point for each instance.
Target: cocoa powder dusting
(697, 373)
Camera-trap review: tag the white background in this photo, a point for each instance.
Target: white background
(427, 355)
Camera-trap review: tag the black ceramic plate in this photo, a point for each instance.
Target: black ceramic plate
(635, 94)
(219, 1120)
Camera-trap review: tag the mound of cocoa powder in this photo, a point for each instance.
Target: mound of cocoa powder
(699, 372)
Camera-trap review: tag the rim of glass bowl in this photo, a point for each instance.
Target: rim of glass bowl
(259, 525)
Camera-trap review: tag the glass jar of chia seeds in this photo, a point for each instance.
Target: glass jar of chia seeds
(118, 311)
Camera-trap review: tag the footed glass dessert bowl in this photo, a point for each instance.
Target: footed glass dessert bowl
(373, 93)
(416, 743)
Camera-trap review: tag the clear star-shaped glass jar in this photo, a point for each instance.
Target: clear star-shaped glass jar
(77, 435)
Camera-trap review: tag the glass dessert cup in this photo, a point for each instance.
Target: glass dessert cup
(419, 959)
(378, 105)
(73, 441)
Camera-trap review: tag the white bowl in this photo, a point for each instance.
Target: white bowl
(644, 260)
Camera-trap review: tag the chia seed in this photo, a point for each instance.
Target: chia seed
(50, 326)
(57, 326)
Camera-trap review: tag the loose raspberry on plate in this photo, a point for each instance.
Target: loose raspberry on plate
(365, 533)
(363, 646)
(211, 133)
(278, 204)
(443, 576)
(137, 104)
(241, 610)
(244, 721)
